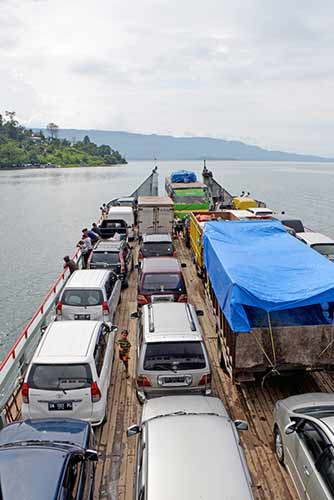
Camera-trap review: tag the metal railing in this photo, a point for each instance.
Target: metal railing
(13, 366)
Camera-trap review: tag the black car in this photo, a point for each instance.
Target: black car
(115, 255)
(49, 459)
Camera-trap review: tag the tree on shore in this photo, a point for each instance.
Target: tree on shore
(53, 130)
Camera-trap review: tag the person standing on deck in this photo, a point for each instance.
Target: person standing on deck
(92, 235)
(86, 247)
(124, 350)
(95, 229)
(70, 264)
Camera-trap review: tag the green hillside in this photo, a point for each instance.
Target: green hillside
(21, 147)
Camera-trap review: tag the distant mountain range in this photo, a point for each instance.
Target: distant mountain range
(164, 147)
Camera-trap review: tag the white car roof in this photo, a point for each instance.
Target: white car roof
(121, 210)
(64, 340)
(312, 238)
(171, 321)
(86, 278)
(260, 211)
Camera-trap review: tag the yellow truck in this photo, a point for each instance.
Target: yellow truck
(196, 226)
(197, 223)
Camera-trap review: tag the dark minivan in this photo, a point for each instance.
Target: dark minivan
(113, 255)
(156, 245)
(161, 280)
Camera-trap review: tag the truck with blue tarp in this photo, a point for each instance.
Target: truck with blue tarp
(272, 297)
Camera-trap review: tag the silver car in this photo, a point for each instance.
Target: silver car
(171, 353)
(304, 443)
(188, 449)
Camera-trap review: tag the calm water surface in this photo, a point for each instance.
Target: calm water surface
(42, 213)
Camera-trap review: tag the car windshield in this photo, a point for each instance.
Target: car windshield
(164, 282)
(157, 249)
(326, 249)
(160, 356)
(79, 298)
(111, 258)
(59, 377)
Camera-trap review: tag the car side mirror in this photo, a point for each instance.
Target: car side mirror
(241, 425)
(133, 430)
(134, 315)
(290, 428)
(199, 312)
(91, 455)
(43, 329)
(183, 264)
(136, 266)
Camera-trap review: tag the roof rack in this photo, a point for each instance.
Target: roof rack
(150, 319)
(190, 317)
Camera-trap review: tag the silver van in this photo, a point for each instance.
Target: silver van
(171, 354)
(89, 295)
(189, 449)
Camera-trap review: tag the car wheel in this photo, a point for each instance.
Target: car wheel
(278, 443)
(125, 283)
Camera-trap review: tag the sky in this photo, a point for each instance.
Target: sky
(259, 71)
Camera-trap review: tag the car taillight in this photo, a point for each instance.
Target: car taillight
(59, 308)
(105, 308)
(141, 300)
(183, 298)
(143, 381)
(25, 393)
(205, 379)
(95, 392)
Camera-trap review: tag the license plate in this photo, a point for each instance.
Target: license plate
(174, 380)
(82, 316)
(60, 405)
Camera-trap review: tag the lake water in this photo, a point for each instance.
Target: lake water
(42, 213)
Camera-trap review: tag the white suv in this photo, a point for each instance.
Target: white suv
(70, 372)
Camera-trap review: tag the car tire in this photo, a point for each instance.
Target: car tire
(125, 283)
(278, 444)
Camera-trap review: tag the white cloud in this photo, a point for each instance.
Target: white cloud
(250, 68)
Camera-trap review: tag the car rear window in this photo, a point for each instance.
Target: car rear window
(164, 282)
(324, 249)
(156, 249)
(297, 225)
(105, 258)
(79, 298)
(54, 377)
(161, 356)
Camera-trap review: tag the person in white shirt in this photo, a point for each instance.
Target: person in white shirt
(86, 247)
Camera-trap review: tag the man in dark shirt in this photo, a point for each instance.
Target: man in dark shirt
(91, 234)
(95, 229)
(70, 264)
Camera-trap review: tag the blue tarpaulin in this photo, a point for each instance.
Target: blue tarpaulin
(258, 264)
(183, 176)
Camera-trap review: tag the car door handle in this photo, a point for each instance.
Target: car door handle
(306, 471)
